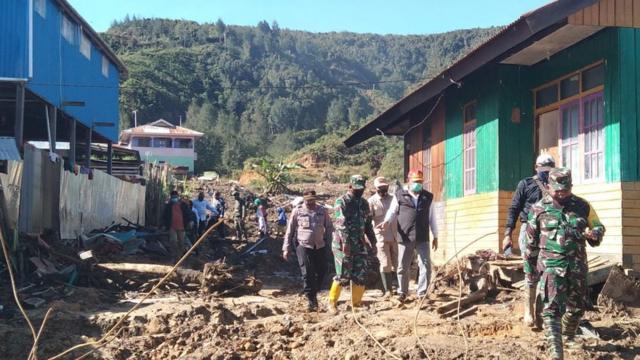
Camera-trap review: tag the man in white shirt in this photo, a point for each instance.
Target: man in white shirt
(386, 243)
(412, 211)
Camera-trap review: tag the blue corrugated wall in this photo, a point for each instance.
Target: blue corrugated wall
(61, 73)
(14, 33)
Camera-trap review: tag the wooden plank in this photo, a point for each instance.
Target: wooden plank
(595, 14)
(454, 313)
(579, 17)
(603, 16)
(611, 12)
(474, 297)
(587, 16)
(619, 12)
(628, 13)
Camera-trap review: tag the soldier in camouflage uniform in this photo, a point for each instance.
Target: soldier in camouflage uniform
(239, 210)
(350, 245)
(558, 228)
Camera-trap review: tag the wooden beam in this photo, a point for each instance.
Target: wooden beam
(19, 120)
(109, 158)
(628, 13)
(636, 14)
(72, 144)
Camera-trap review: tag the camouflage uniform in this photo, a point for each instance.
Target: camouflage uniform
(352, 221)
(238, 216)
(556, 256)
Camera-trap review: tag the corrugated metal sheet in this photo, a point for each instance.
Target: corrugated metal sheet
(86, 204)
(11, 185)
(14, 39)
(62, 73)
(39, 192)
(8, 149)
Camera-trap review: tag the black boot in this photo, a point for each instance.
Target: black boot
(312, 305)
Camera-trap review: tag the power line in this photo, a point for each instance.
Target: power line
(252, 87)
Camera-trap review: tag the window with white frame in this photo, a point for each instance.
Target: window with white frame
(68, 29)
(469, 148)
(593, 129)
(85, 45)
(578, 101)
(40, 7)
(105, 66)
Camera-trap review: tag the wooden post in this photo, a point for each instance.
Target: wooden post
(87, 161)
(72, 144)
(19, 122)
(53, 127)
(109, 158)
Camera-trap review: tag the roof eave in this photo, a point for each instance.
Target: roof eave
(511, 36)
(97, 40)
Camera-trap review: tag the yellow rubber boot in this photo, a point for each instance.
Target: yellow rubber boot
(357, 291)
(334, 295)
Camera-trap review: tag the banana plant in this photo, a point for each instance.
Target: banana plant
(276, 175)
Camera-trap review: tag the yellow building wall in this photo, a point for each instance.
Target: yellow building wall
(467, 218)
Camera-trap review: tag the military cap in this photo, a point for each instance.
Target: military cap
(560, 179)
(357, 182)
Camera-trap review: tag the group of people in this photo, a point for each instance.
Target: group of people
(394, 227)
(555, 227)
(181, 216)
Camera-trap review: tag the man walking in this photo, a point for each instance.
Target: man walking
(412, 210)
(352, 239)
(386, 243)
(239, 210)
(529, 191)
(201, 206)
(309, 230)
(175, 217)
(220, 205)
(558, 228)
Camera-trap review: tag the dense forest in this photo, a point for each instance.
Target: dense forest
(267, 91)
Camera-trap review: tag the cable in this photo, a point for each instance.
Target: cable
(103, 341)
(426, 117)
(13, 286)
(33, 355)
(431, 286)
(355, 317)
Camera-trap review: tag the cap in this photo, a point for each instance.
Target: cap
(380, 181)
(560, 179)
(545, 161)
(416, 176)
(357, 182)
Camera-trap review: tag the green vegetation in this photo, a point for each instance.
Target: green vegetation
(276, 175)
(266, 91)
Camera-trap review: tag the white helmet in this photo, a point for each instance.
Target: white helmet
(545, 160)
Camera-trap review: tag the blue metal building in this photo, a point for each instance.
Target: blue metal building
(58, 79)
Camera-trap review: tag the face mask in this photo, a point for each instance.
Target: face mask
(200, 198)
(543, 176)
(174, 199)
(358, 193)
(415, 187)
(383, 191)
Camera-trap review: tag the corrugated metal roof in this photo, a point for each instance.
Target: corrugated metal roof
(159, 127)
(9, 149)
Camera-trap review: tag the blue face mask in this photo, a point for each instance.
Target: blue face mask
(415, 187)
(543, 176)
(174, 200)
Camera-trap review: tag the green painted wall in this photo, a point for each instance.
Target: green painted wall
(517, 153)
(505, 150)
(173, 160)
(625, 107)
(481, 88)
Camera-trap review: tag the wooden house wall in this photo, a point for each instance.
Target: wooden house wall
(625, 13)
(479, 88)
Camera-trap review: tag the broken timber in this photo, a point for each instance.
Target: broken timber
(598, 272)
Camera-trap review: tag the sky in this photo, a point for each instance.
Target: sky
(362, 16)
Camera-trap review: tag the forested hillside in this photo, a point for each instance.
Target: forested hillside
(263, 90)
